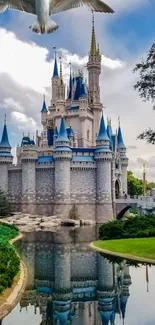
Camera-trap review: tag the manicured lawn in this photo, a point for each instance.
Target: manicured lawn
(139, 247)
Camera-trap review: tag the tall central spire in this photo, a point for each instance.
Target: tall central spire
(55, 71)
(93, 49)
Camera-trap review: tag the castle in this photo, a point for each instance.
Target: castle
(76, 160)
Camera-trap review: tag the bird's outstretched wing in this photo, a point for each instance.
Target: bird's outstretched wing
(57, 6)
(22, 5)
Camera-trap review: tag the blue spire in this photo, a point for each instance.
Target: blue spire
(5, 141)
(44, 108)
(62, 136)
(70, 85)
(56, 132)
(102, 135)
(55, 71)
(120, 138)
(109, 133)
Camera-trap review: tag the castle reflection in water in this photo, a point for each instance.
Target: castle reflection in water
(70, 283)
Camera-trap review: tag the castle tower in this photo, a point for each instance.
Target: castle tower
(29, 156)
(103, 156)
(94, 70)
(62, 155)
(6, 158)
(55, 80)
(83, 105)
(123, 159)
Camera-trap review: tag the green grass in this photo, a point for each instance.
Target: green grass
(139, 247)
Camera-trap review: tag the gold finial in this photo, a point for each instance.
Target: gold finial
(93, 50)
(44, 97)
(5, 119)
(23, 134)
(28, 134)
(119, 123)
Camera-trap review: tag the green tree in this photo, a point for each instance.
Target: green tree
(4, 204)
(146, 87)
(135, 185)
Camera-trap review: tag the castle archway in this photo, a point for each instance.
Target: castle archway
(117, 189)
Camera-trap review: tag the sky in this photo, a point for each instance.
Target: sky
(26, 67)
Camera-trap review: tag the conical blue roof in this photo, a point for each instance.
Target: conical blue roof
(123, 304)
(62, 136)
(109, 133)
(102, 135)
(5, 141)
(44, 108)
(55, 71)
(120, 139)
(105, 316)
(56, 132)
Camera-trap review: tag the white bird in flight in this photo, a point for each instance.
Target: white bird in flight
(45, 8)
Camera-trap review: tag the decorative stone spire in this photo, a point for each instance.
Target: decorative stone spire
(93, 49)
(5, 141)
(44, 108)
(55, 71)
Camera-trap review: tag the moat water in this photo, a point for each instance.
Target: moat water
(70, 284)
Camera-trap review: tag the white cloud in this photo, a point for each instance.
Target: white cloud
(24, 122)
(10, 103)
(35, 71)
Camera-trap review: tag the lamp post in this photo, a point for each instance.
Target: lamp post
(144, 181)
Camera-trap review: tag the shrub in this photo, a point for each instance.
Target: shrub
(132, 227)
(9, 261)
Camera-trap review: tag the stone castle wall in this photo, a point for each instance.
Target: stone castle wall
(48, 189)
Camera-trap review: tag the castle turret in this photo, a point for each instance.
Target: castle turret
(55, 80)
(6, 158)
(103, 156)
(29, 156)
(62, 155)
(94, 70)
(44, 112)
(123, 159)
(105, 289)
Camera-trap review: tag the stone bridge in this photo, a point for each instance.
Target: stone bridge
(143, 204)
(123, 205)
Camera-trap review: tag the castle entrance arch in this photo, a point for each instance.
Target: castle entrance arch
(117, 189)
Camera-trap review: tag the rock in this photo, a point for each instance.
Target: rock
(70, 223)
(48, 224)
(87, 222)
